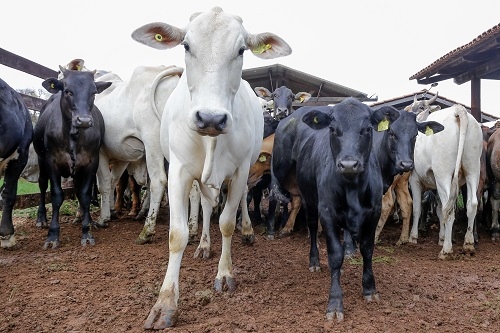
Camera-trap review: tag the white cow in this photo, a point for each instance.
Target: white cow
(211, 131)
(132, 112)
(445, 161)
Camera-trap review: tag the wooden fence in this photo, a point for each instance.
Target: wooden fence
(22, 64)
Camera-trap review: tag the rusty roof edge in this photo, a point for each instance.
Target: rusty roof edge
(427, 71)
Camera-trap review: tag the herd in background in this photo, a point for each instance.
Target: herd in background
(205, 130)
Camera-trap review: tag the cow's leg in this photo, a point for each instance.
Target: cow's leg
(471, 208)
(405, 202)
(165, 311)
(387, 206)
(145, 203)
(335, 307)
(416, 193)
(271, 217)
(366, 246)
(204, 246)
(135, 195)
(104, 184)
(448, 216)
(157, 183)
(83, 185)
(495, 206)
(9, 195)
(294, 210)
(312, 225)
(43, 184)
(194, 210)
(119, 193)
(227, 223)
(57, 198)
(247, 234)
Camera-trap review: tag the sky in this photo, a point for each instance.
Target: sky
(370, 46)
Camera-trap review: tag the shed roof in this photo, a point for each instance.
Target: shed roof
(478, 59)
(322, 91)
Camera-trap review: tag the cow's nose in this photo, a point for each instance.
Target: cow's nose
(407, 165)
(204, 120)
(83, 122)
(348, 165)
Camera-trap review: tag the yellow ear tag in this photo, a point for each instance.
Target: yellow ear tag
(383, 125)
(78, 67)
(52, 86)
(428, 131)
(315, 120)
(262, 158)
(261, 48)
(158, 37)
(301, 99)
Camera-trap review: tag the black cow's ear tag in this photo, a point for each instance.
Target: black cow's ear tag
(428, 131)
(383, 125)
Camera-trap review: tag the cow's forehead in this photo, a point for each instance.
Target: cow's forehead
(406, 123)
(215, 22)
(78, 78)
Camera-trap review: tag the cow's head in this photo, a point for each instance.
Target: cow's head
(282, 98)
(422, 108)
(214, 44)
(351, 130)
(78, 90)
(400, 132)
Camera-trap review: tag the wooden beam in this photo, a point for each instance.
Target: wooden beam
(479, 71)
(22, 64)
(476, 98)
(319, 101)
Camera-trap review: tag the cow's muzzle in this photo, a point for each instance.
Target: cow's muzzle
(210, 124)
(349, 166)
(83, 122)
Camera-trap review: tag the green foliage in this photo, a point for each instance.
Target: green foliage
(25, 187)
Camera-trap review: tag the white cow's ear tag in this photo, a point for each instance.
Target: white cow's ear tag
(262, 158)
(261, 48)
(428, 131)
(383, 125)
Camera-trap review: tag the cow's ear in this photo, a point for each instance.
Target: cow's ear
(263, 92)
(302, 97)
(101, 86)
(159, 35)
(53, 85)
(429, 127)
(316, 119)
(383, 117)
(268, 45)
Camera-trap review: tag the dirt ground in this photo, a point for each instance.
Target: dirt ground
(112, 286)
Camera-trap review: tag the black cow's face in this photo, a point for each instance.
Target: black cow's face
(78, 91)
(282, 99)
(351, 131)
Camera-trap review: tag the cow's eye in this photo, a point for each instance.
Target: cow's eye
(242, 50)
(186, 46)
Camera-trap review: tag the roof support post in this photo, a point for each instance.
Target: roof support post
(476, 98)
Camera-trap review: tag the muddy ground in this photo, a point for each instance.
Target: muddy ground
(111, 286)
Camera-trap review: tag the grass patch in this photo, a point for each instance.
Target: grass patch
(25, 187)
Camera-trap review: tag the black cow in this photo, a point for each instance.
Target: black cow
(67, 139)
(340, 181)
(16, 134)
(283, 99)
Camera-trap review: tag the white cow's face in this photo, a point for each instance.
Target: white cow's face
(215, 43)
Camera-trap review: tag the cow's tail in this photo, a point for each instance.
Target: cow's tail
(169, 71)
(463, 123)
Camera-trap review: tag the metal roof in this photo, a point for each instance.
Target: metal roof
(323, 92)
(479, 59)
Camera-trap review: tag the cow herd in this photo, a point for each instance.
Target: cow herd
(201, 130)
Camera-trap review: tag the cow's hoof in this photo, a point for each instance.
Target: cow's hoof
(401, 242)
(41, 224)
(200, 250)
(8, 241)
(495, 236)
(52, 244)
(144, 239)
(332, 315)
(373, 297)
(160, 318)
(445, 256)
(88, 240)
(230, 283)
(285, 233)
(469, 249)
(101, 224)
(270, 236)
(248, 239)
(314, 268)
